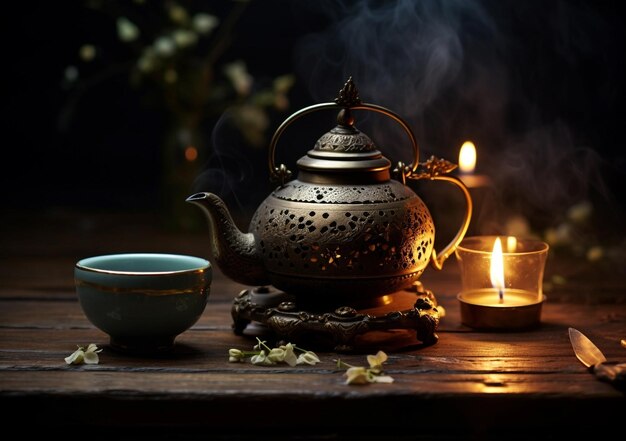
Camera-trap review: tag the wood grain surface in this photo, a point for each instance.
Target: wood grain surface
(469, 385)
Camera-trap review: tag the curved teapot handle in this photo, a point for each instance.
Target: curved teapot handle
(435, 170)
(282, 174)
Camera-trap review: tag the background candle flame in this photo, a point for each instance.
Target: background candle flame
(511, 244)
(467, 157)
(497, 269)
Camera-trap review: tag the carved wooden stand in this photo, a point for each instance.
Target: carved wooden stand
(276, 313)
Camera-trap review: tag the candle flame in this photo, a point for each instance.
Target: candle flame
(497, 269)
(467, 157)
(511, 244)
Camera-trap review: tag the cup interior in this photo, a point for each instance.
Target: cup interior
(143, 263)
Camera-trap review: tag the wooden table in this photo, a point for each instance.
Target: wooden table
(473, 385)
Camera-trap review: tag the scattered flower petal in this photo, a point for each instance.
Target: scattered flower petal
(362, 375)
(357, 375)
(91, 357)
(82, 355)
(76, 357)
(376, 361)
(261, 358)
(382, 379)
(93, 348)
(276, 355)
(290, 355)
(262, 354)
(308, 357)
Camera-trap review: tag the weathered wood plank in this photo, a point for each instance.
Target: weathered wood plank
(320, 405)
(474, 385)
(89, 381)
(208, 348)
(57, 315)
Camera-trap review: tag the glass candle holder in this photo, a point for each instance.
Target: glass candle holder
(502, 285)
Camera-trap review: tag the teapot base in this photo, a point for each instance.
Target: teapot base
(327, 293)
(397, 320)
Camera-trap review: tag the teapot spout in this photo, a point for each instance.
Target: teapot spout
(235, 252)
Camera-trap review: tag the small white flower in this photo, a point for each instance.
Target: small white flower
(259, 345)
(290, 356)
(76, 357)
(184, 38)
(276, 355)
(261, 358)
(147, 62)
(362, 375)
(308, 357)
(376, 361)
(235, 355)
(262, 354)
(178, 14)
(127, 31)
(283, 83)
(204, 23)
(93, 348)
(164, 46)
(239, 77)
(71, 74)
(284, 354)
(357, 375)
(382, 379)
(170, 76)
(87, 52)
(82, 355)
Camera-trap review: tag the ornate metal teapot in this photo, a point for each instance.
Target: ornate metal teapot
(344, 230)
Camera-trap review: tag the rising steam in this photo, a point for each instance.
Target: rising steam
(498, 73)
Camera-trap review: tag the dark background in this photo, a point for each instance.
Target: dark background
(537, 85)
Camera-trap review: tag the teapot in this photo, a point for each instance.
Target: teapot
(344, 230)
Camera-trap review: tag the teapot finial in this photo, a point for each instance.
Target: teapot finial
(348, 95)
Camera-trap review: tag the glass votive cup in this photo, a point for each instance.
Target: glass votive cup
(518, 305)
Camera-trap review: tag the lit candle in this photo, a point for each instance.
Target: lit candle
(467, 167)
(480, 188)
(514, 298)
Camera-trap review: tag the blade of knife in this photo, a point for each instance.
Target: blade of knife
(589, 355)
(585, 350)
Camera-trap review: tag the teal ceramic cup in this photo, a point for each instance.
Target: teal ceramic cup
(143, 301)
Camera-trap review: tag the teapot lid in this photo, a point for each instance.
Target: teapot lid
(344, 155)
